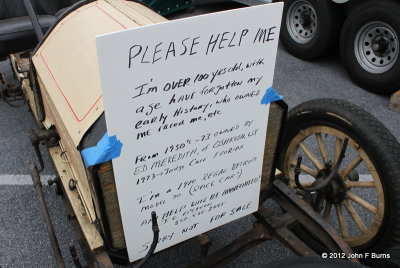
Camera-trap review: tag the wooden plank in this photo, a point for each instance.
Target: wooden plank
(271, 140)
(92, 236)
(70, 153)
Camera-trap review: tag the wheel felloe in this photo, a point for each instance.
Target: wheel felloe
(342, 195)
(361, 200)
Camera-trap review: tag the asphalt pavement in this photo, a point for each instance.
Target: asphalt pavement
(23, 238)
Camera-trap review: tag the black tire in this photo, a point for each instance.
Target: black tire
(301, 37)
(378, 148)
(376, 71)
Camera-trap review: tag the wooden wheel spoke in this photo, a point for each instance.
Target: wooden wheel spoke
(361, 202)
(351, 166)
(356, 217)
(342, 220)
(338, 148)
(311, 156)
(322, 147)
(359, 184)
(306, 169)
(327, 211)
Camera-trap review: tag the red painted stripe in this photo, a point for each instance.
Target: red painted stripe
(54, 78)
(123, 26)
(137, 11)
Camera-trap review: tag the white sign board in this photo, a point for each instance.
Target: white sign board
(184, 98)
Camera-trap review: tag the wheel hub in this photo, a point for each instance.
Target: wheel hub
(306, 19)
(301, 21)
(335, 192)
(376, 47)
(381, 46)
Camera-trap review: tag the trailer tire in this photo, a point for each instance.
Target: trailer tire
(310, 28)
(369, 46)
(325, 121)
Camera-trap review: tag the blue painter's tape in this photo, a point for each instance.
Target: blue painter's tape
(270, 96)
(106, 149)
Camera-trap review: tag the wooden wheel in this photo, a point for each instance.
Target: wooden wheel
(361, 196)
(321, 144)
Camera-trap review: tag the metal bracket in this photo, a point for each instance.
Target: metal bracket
(50, 136)
(11, 94)
(328, 179)
(57, 182)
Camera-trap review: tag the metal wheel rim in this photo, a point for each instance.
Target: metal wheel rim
(300, 31)
(369, 232)
(366, 42)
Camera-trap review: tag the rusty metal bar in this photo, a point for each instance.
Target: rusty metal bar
(312, 221)
(242, 243)
(280, 225)
(49, 226)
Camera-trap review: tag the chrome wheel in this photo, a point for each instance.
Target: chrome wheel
(376, 47)
(301, 21)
